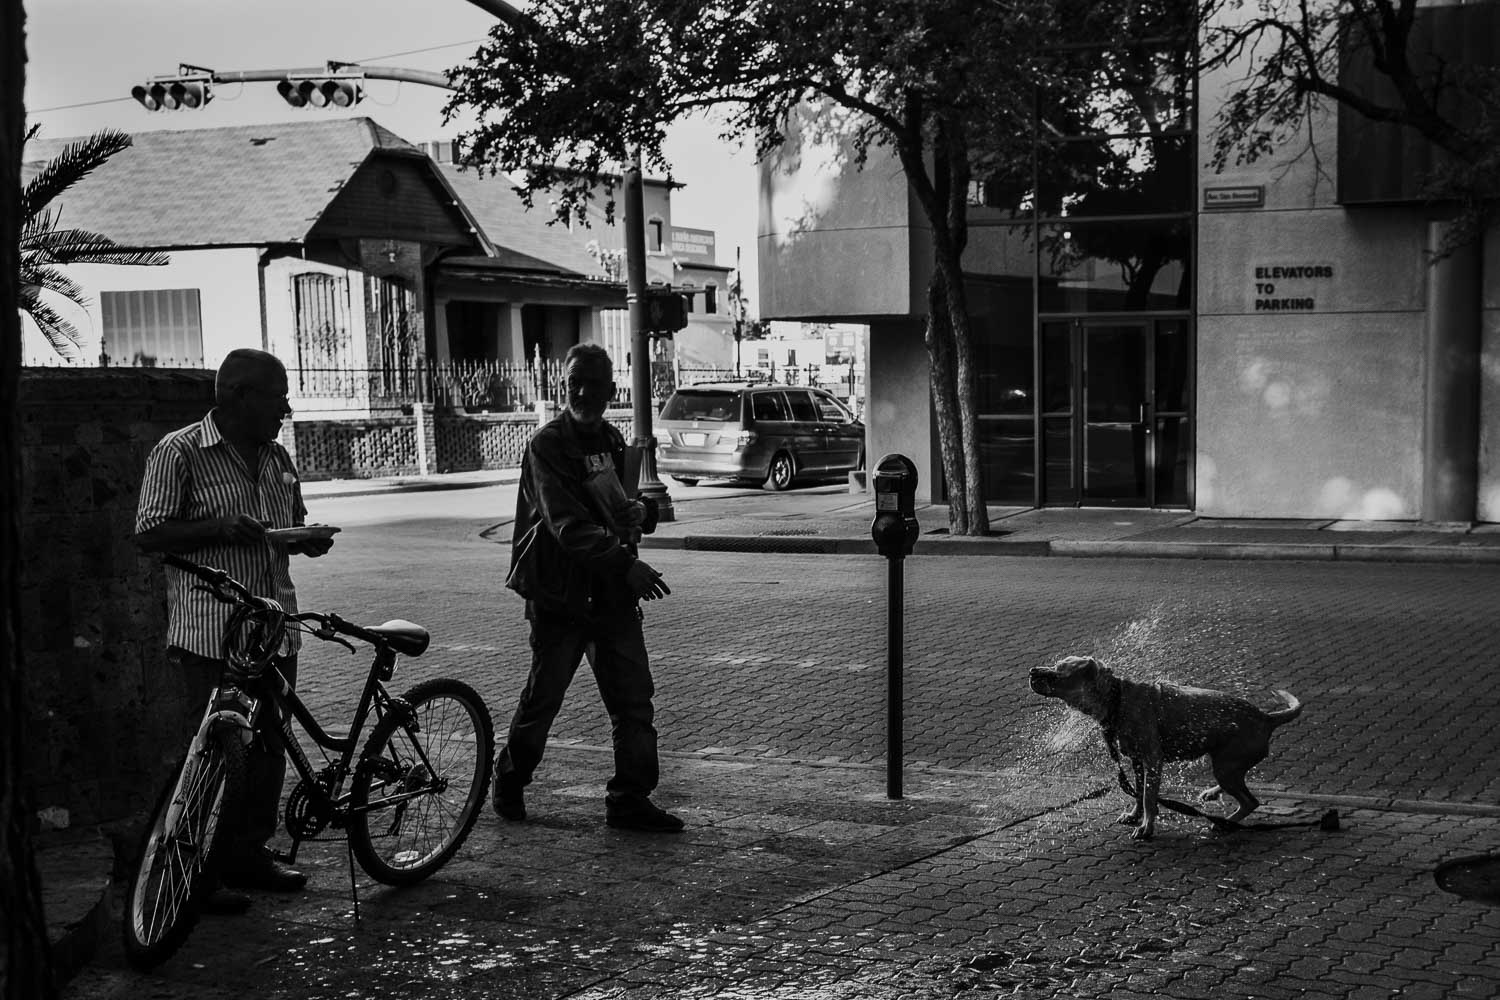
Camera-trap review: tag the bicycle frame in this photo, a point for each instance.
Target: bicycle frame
(374, 697)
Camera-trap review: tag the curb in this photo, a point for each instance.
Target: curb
(378, 487)
(77, 900)
(1305, 552)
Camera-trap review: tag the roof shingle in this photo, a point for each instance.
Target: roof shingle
(246, 185)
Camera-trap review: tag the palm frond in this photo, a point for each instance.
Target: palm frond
(76, 161)
(50, 279)
(62, 335)
(80, 246)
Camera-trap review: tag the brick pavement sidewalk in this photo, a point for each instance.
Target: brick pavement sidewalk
(800, 879)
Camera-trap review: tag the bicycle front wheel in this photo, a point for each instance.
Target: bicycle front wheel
(178, 861)
(421, 782)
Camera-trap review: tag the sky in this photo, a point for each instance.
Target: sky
(85, 55)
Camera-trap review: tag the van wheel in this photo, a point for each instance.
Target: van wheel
(686, 481)
(782, 472)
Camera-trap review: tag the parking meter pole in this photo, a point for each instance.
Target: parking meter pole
(895, 532)
(895, 644)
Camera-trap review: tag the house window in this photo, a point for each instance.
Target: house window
(321, 305)
(654, 235)
(163, 326)
(711, 299)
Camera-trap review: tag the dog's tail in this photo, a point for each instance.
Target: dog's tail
(1281, 717)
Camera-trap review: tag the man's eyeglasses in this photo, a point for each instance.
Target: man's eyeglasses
(268, 394)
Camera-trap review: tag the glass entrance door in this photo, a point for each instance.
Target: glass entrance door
(1116, 428)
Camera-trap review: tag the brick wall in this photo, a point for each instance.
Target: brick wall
(93, 610)
(374, 447)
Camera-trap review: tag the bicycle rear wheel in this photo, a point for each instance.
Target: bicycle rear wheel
(177, 862)
(421, 782)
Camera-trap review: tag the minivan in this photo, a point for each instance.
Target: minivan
(758, 432)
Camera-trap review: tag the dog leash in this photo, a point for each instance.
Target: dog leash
(1329, 821)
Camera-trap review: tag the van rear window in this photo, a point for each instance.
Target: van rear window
(703, 404)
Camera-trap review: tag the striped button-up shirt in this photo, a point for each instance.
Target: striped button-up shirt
(194, 474)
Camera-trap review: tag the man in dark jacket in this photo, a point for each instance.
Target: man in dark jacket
(573, 558)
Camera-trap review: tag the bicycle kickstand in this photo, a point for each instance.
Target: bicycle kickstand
(353, 885)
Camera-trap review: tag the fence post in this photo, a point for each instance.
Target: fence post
(426, 432)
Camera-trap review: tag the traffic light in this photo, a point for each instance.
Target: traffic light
(666, 311)
(169, 93)
(339, 90)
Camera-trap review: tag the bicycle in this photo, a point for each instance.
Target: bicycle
(412, 796)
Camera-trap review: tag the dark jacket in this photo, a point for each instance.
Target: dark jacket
(568, 555)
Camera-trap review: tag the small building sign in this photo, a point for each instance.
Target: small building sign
(1221, 198)
(695, 244)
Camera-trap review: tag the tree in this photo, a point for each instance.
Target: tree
(27, 971)
(1292, 54)
(46, 247)
(579, 86)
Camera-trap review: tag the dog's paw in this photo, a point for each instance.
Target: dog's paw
(1129, 817)
(1143, 832)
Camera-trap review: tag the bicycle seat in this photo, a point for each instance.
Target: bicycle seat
(406, 638)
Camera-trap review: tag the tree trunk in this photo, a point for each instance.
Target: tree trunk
(28, 964)
(964, 385)
(951, 196)
(943, 195)
(939, 337)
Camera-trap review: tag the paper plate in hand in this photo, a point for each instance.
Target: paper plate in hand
(303, 533)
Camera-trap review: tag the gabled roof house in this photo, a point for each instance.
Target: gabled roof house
(357, 257)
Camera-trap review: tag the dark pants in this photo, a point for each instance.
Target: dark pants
(265, 764)
(623, 673)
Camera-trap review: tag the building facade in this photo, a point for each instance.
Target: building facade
(1272, 340)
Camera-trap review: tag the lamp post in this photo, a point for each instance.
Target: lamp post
(635, 300)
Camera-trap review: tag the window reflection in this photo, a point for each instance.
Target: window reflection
(1115, 265)
(1124, 175)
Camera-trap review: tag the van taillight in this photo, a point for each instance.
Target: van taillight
(746, 439)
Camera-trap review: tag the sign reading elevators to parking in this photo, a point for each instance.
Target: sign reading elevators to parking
(1288, 286)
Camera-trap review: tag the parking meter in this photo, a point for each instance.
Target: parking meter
(895, 532)
(895, 526)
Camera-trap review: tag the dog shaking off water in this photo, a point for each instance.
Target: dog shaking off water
(1155, 723)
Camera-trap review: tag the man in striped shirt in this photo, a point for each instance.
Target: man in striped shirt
(210, 492)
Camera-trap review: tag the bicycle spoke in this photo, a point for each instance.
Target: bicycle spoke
(423, 798)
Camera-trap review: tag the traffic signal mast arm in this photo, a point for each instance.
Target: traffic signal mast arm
(338, 83)
(337, 69)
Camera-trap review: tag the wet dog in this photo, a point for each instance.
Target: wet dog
(1159, 722)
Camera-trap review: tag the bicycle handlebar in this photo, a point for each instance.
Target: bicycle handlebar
(218, 582)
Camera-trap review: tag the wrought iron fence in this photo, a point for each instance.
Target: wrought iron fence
(506, 386)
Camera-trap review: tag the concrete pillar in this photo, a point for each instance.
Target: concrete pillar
(1450, 454)
(512, 332)
(426, 434)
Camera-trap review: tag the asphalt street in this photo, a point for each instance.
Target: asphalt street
(782, 655)
(999, 873)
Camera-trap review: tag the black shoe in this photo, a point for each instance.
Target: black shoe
(507, 799)
(265, 872)
(225, 903)
(644, 816)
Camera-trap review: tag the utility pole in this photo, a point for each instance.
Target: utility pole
(635, 300)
